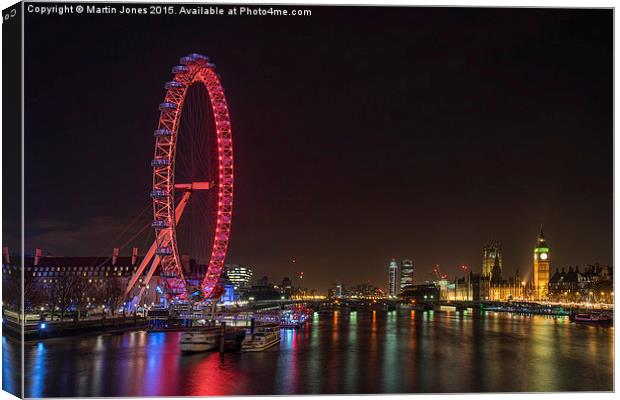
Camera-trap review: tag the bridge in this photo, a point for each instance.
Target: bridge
(392, 304)
(524, 307)
(267, 311)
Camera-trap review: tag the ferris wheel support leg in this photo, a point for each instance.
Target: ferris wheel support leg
(151, 252)
(147, 258)
(149, 275)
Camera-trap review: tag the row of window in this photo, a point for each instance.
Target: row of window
(51, 269)
(56, 281)
(76, 273)
(91, 268)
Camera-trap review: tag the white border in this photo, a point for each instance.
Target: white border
(487, 3)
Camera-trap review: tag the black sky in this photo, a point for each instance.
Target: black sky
(360, 134)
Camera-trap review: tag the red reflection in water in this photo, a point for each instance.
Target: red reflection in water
(213, 377)
(292, 363)
(294, 341)
(162, 366)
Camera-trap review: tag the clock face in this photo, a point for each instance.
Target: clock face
(543, 256)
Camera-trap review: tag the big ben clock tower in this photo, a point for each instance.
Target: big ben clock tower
(541, 267)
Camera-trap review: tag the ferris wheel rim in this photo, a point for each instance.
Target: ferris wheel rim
(193, 69)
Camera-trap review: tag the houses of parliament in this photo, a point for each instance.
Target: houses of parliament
(593, 283)
(492, 284)
(501, 288)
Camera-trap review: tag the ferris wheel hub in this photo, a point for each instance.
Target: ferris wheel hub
(194, 186)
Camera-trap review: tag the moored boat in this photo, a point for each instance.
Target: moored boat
(195, 341)
(295, 318)
(265, 337)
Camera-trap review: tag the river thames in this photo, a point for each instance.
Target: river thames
(359, 352)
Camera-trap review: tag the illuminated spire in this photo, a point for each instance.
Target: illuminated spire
(541, 235)
(541, 242)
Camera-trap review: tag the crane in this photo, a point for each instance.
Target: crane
(437, 272)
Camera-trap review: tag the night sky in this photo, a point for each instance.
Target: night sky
(360, 134)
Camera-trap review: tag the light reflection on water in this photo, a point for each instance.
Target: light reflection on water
(10, 358)
(352, 369)
(348, 352)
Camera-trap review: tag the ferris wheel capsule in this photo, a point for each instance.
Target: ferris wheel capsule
(193, 58)
(159, 194)
(167, 106)
(160, 162)
(164, 251)
(173, 85)
(180, 69)
(160, 224)
(162, 132)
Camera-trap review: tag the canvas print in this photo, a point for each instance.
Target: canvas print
(298, 199)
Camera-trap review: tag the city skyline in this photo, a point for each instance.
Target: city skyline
(525, 271)
(443, 156)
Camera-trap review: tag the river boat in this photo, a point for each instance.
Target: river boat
(265, 337)
(592, 318)
(199, 340)
(295, 318)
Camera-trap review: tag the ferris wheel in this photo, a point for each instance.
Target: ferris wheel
(171, 194)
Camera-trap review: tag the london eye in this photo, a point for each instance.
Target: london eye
(192, 192)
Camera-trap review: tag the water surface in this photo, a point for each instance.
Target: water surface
(359, 352)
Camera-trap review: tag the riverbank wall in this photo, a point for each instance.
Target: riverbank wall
(47, 329)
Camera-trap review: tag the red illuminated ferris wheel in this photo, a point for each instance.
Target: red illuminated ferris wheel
(205, 173)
